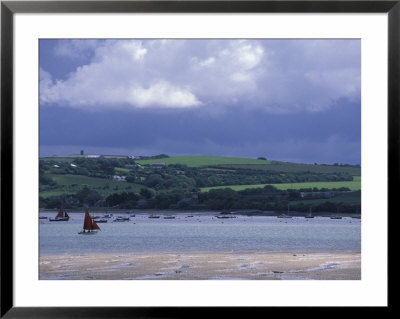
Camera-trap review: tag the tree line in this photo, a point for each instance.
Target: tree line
(265, 199)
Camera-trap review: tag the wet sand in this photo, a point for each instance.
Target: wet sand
(202, 266)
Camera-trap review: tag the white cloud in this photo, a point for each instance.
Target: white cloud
(274, 75)
(248, 55)
(163, 94)
(207, 62)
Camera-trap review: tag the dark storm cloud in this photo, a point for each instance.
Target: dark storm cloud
(284, 99)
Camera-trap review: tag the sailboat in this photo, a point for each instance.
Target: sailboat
(286, 216)
(89, 225)
(310, 215)
(61, 216)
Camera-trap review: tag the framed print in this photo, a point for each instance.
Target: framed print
(164, 155)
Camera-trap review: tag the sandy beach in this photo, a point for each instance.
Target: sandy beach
(203, 266)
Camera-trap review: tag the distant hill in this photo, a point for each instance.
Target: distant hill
(117, 181)
(198, 161)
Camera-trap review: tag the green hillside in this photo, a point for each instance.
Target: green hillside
(299, 167)
(70, 184)
(93, 181)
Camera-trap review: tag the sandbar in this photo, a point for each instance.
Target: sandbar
(203, 266)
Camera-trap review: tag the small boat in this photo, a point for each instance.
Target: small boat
(154, 216)
(121, 219)
(310, 215)
(132, 215)
(284, 215)
(102, 220)
(225, 216)
(336, 217)
(169, 217)
(62, 216)
(90, 226)
(189, 216)
(42, 217)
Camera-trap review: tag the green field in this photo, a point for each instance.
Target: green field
(352, 185)
(298, 167)
(197, 161)
(121, 170)
(70, 184)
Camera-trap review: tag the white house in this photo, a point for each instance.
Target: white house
(119, 178)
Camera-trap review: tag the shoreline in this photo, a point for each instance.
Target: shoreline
(239, 212)
(203, 266)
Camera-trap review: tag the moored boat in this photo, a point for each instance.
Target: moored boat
(121, 219)
(310, 215)
(284, 215)
(90, 226)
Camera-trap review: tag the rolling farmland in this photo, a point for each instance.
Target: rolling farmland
(352, 185)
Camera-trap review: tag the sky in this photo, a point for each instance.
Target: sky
(296, 100)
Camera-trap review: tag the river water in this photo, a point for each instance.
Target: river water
(201, 233)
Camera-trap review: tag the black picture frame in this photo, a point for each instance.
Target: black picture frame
(9, 8)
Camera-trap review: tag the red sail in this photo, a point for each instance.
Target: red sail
(87, 223)
(94, 225)
(60, 212)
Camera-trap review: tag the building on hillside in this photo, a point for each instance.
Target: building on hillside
(119, 178)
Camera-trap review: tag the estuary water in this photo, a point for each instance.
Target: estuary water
(189, 232)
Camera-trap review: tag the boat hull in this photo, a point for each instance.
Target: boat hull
(64, 219)
(93, 232)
